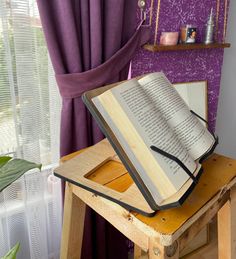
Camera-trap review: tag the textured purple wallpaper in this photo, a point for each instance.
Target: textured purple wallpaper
(185, 66)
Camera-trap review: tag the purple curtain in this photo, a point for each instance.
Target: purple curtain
(91, 44)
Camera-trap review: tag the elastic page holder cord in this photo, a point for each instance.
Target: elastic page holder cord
(213, 135)
(179, 162)
(174, 158)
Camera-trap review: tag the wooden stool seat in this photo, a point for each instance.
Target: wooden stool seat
(168, 232)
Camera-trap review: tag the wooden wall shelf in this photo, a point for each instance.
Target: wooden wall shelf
(158, 48)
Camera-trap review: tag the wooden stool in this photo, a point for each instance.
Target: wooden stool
(168, 232)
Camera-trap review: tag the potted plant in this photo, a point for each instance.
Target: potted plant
(12, 253)
(10, 170)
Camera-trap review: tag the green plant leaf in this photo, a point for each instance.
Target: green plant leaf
(13, 169)
(12, 253)
(4, 160)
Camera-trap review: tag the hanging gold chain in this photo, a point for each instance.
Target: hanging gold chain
(151, 13)
(157, 21)
(225, 20)
(217, 20)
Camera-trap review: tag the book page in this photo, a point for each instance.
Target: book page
(151, 183)
(189, 91)
(153, 129)
(189, 130)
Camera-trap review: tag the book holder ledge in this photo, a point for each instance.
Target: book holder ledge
(80, 169)
(99, 170)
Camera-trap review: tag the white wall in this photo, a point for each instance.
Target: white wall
(226, 115)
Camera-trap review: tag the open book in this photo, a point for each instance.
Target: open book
(156, 136)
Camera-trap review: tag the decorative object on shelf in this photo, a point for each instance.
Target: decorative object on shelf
(188, 34)
(169, 38)
(209, 29)
(158, 43)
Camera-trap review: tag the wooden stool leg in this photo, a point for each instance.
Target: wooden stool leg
(156, 251)
(137, 252)
(227, 228)
(73, 225)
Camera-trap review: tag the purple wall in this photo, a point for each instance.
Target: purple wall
(191, 65)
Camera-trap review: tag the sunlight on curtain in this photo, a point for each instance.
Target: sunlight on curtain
(29, 214)
(30, 209)
(29, 108)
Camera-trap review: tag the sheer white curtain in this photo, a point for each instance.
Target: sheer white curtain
(30, 209)
(29, 99)
(30, 213)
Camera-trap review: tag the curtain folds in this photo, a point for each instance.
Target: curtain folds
(91, 44)
(74, 84)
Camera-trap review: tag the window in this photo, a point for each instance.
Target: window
(30, 208)
(29, 98)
